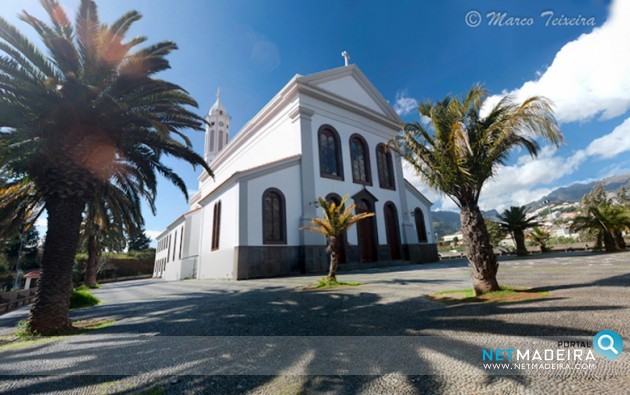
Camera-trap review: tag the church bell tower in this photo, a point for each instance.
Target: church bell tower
(217, 129)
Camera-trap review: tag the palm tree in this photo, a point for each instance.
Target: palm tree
(337, 219)
(540, 237)
(607, 222)
(88, 114)
(20, 206)
(108, 218)
(515, 221)
(461, 149)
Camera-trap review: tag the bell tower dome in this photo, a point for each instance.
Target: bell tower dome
(217, 129)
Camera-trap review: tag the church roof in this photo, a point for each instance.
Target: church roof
(350, 83)
(346, 87)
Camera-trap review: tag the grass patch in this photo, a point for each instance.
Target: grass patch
(82, 298)
(84, 287)
(505, 294)
(325, 283)
(23, 338)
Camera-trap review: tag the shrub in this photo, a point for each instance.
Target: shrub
(82, 298)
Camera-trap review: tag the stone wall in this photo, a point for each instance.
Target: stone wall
(272, 261)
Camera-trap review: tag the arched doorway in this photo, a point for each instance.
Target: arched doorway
(333, 197)
(366, 232)
(393, 231)
(421, 229)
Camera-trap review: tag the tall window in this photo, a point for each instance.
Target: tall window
(418, 215)
(330, 165)
(385, 166)
(168, 254)
(393, 231)
(181, 243)
(360, 157)
(216, 225)
(220, 140)
(211, 148)
(174, 245)
(274, 217)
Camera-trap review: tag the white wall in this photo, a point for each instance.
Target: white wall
(414, 202)
(276, 139)
(219, 263)
(288, 182)
(347, 123)
(172, 268)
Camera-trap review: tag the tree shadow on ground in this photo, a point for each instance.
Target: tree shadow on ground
(278, 312)
(621, 280)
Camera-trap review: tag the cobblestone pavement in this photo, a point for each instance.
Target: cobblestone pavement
(588, 292)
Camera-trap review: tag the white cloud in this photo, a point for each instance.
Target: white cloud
(612, 144)
(404, 104)
(518, 184)
(589, 76)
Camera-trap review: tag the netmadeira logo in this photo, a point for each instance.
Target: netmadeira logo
(608, 344)
(567, 355)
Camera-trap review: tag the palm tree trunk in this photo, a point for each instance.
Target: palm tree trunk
(91, 268)
(519, 239)
(619, 241)
(479, 251)
(49, 314)
(334, 258)
(609, 242)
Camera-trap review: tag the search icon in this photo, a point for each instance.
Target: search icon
(608, 344)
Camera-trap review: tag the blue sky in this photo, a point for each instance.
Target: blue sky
(411, 51)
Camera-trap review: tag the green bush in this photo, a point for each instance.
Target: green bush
(82, 298)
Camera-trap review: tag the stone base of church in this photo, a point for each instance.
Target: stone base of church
(273, 261)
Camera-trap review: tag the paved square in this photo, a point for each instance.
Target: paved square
(589, 292)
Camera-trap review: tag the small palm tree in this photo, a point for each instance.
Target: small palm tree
(109, 217)
(516, 221)
(88, 114)
(540, 237)
(461, 150)
(335, 222)
(607, 222)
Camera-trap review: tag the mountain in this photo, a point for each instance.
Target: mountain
(574, 192)
(447, 222)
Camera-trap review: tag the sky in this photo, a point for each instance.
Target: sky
(576, 53)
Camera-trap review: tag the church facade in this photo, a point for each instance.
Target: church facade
(322, 135)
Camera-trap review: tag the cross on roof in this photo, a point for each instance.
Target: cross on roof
(346, 57)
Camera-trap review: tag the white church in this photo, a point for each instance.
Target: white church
(322, 135)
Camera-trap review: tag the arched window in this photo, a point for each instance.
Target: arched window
(330, 165)
(216, 225)
(360, 158)
(393, 230)
(168, 254)
(385, 166)
(220, 140)
(274, 217)
(211, 148)
(418, 215)
(174, 245)
(181, 243)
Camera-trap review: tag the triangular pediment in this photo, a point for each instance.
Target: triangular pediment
(351, 84)
(364, 194)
